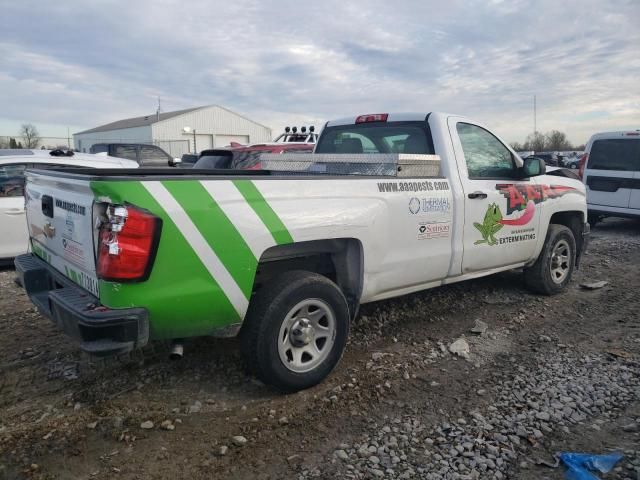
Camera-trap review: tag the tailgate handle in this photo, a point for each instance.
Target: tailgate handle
(47, 205)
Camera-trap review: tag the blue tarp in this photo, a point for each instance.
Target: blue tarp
(580, 465)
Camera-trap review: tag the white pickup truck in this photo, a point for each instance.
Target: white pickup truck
(387, 205)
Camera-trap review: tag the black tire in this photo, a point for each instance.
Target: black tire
(539, 277)
(267, 312)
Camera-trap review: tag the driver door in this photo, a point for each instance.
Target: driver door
(501, 210)
(13, 224)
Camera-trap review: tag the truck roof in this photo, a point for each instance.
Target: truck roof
(618, 134)
(392, 117)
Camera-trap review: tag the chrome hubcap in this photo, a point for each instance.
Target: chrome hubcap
(560, 262)
(301, 333)
(307, 335)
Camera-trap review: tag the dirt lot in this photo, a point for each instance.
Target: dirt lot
(549, 375)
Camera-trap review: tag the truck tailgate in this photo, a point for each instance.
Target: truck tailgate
(60, 219)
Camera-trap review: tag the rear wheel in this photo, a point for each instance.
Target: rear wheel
(553, 269)
(295, 330)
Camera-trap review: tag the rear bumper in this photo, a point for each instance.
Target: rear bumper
(101, 331)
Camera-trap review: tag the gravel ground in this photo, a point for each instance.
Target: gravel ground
(542, 375)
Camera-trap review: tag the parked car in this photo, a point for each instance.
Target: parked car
(246, 157)
(187, 160)
(572, 162)
(13, 224)
(551, 159)
(610, 168)
(145, 155)
(285, 260)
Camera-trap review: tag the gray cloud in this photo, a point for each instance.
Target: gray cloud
(87, 63)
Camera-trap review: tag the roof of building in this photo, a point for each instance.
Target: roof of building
(154, 118)
(138, 121)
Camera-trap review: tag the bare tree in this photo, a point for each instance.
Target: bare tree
(535, 141)
(29, 132)
(516, 146)
(557, 141)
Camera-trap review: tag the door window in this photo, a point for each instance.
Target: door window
(485, 155)
(125, 151)
(12, 181)
(153, 156)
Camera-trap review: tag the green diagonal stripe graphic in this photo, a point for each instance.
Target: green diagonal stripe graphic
(221, 235)
(270, 219)
(181, 296)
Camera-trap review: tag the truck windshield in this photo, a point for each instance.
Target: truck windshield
(378, 137)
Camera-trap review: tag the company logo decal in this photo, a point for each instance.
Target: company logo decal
(429, 205)
(71, 207)
(49, 230)
(519, 195)
(414, 205)
(521, 204)
(429, 230)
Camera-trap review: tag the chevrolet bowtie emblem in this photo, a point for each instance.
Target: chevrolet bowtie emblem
(49, 231)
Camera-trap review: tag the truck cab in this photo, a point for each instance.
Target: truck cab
(497, 199)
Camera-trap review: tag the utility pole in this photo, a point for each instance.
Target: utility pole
(68, 139)
(535, 113)
(158, 111)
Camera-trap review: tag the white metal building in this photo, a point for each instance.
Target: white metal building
(214, 126)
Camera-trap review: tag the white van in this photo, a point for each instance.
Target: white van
(610, 169)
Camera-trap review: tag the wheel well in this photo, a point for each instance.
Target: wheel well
(574, 221)
(340, 260)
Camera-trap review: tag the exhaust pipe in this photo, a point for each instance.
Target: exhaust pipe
(177, 350)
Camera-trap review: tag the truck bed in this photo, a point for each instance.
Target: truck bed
(138, 173)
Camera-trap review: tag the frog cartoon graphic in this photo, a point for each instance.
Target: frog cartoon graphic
(490, 225)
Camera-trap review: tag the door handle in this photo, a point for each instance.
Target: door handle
(14, 211)
(475, 195)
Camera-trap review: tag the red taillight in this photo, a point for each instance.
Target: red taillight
(372, 117)
(582, 164)
(127, 244)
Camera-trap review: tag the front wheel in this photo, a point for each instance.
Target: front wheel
(552, 271)
(295, 330)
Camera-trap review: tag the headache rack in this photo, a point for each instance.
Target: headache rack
(370, 164)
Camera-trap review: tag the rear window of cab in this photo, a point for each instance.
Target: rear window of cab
(378, 137)
(615, 154)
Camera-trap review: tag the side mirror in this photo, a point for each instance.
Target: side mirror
(533, 167)
(175, 162)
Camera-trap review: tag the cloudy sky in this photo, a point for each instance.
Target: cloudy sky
(81, 64)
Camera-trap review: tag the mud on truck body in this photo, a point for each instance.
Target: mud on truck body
(389, 204)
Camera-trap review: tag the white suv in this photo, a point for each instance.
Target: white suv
(610, 169)
(14, 240)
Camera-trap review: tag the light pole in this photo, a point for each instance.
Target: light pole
(189, 130)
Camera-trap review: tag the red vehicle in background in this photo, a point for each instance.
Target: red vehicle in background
(247, 157)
